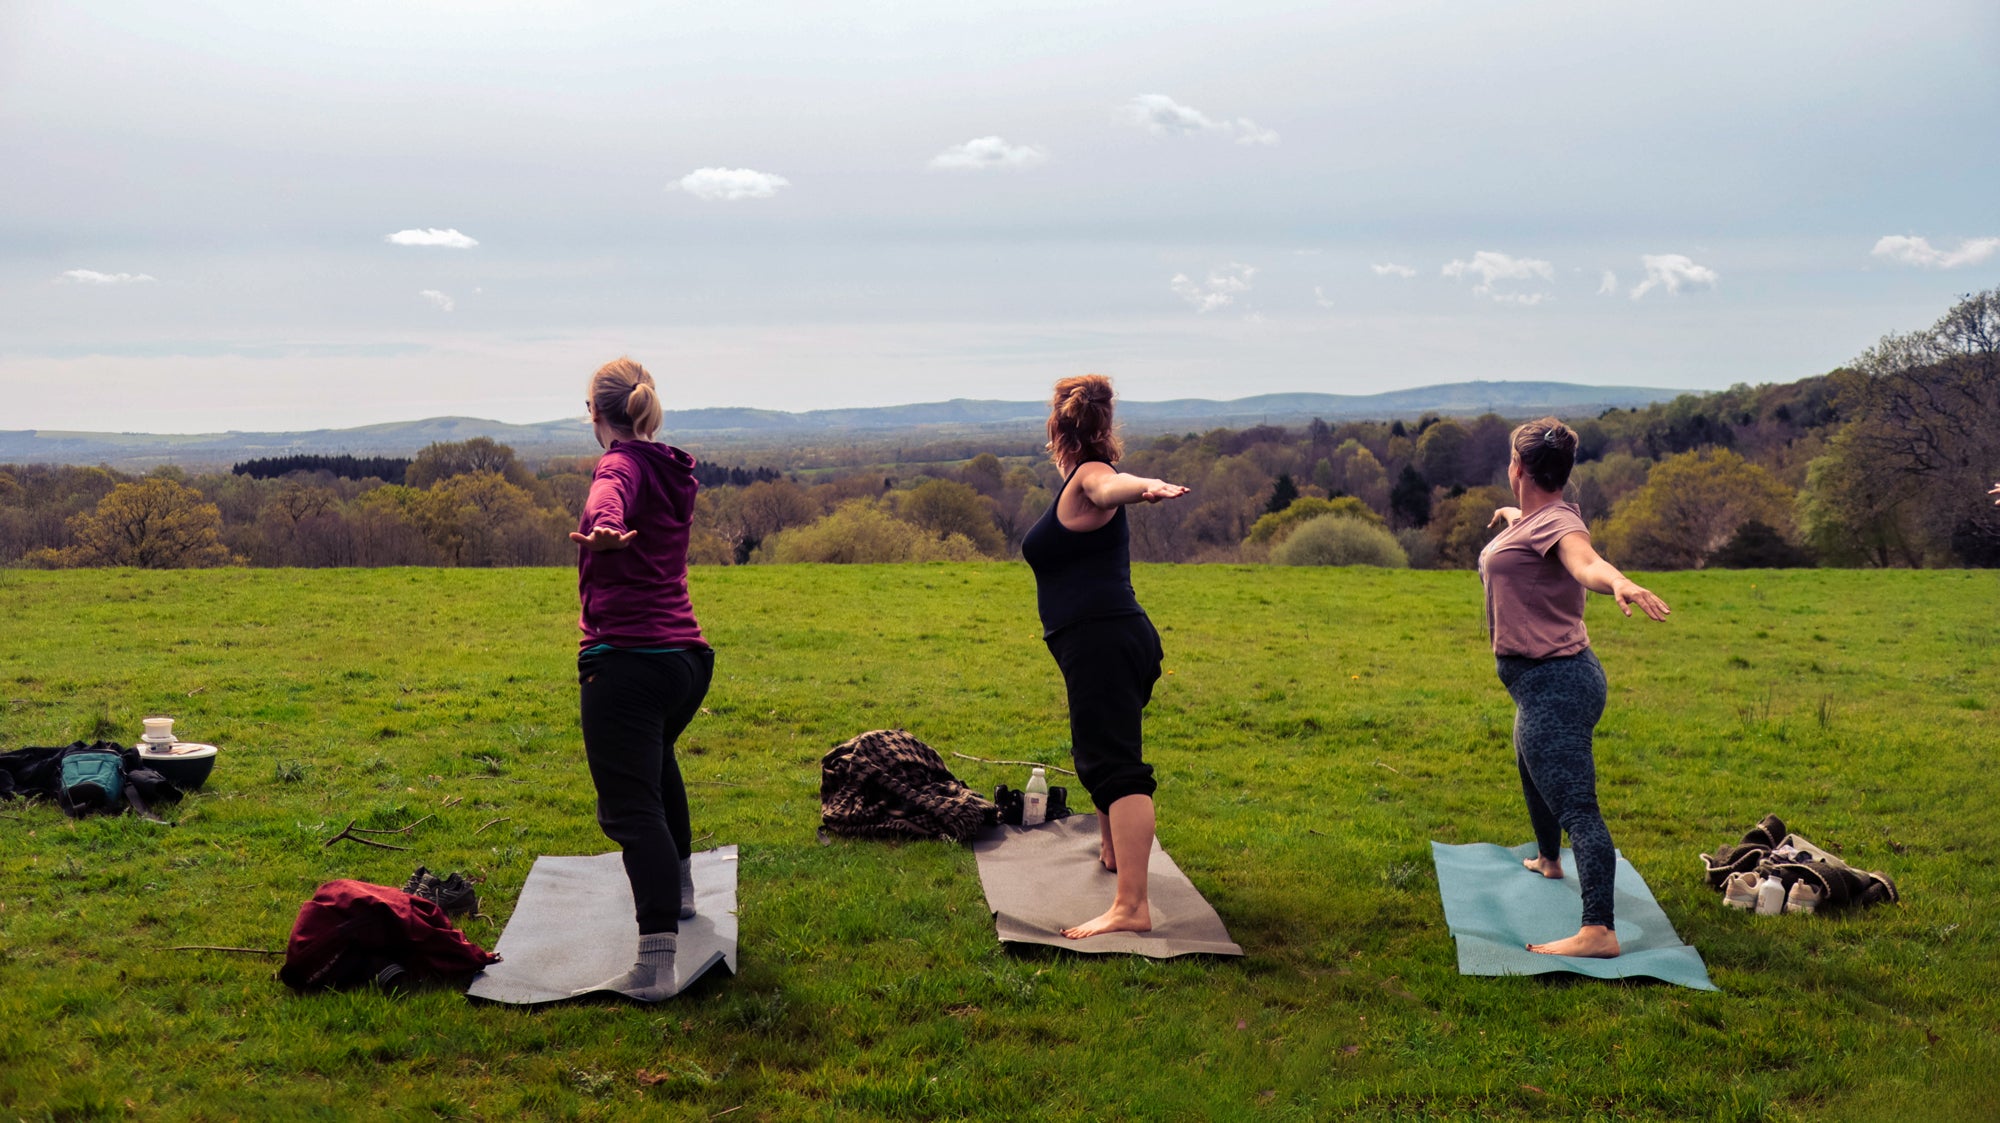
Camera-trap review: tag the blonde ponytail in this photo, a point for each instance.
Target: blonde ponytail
(624, 395)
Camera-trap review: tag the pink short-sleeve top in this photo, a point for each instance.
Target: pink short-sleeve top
(1534, 608)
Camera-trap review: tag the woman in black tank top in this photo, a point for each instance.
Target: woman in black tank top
(1109, 654)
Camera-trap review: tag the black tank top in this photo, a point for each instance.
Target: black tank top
(1080, 575)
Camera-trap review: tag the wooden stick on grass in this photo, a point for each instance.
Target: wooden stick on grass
(1027, 763)
(490, 822)
(353, 833)
(208, 947)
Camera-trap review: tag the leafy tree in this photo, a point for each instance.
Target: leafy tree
(1757, 545)
(1440, 457)
(302, 525)
(1364, 477)
(155, 523)
(1601, 484)
(1283, 493)
(984, 474)
(1487, 450)
(1339, 540)
(446, 459)
(946, 508)
(1926, 406)
(384, 528)
(480, 518)
(1691, 506)
(1410, 499)
(860, 532)
(1853, 513)
(1273, 528)
(1458, 530)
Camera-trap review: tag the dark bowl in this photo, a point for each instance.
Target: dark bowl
(185, 773)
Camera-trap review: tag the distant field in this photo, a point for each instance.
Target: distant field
(1317, 728)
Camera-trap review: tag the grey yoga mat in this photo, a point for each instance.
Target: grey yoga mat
(1040, 880)
(573, 927)
(1494, 907)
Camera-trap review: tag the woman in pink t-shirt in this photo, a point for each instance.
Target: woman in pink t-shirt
(1537, 573)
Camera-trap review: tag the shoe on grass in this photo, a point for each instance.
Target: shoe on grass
(1804, 897)
(1740, 891)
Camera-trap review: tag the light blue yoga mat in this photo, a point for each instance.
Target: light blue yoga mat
(1494, 907)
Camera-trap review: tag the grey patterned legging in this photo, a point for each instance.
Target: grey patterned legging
(1557, 704)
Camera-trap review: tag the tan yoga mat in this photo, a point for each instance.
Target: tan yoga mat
(1040, 880)
(573, 927)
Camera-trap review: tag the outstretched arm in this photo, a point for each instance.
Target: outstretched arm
(1109, 489)
(604, 507)
(1600, 576)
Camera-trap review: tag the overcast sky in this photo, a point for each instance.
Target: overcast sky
(231, 214)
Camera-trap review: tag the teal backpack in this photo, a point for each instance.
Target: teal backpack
(92, 780)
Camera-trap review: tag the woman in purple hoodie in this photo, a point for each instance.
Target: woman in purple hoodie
(644, 666)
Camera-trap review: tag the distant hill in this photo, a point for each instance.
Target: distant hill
(722, 428)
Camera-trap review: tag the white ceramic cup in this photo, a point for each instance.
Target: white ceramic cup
(159, 730)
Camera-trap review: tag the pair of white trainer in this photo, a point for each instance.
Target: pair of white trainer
(1767, 896)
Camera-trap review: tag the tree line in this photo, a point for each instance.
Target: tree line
(1884, 462)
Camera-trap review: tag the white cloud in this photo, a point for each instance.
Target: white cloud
(1320, 298)
(93, 277)
(1163, 116)
(1609, 283)
(1918, 251)
(1218, 291)
(1391, 269)
(450, 239)
(730, 184)
(1490, 268)
(1250, 132)
(988, 152)
(1670, 271)
(443, 302)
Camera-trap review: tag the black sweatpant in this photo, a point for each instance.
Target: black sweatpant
(1109, 667)
(635, 706)
(1557, 704)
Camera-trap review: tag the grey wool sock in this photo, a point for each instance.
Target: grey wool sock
(687, 888)
(652, 977)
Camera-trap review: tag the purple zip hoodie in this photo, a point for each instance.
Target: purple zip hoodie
(638, 596)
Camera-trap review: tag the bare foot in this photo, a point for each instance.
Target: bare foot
(1551, 868)
(1107, 857)
(1115, 919)
(1592, 941)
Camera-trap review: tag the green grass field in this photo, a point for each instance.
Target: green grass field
(1316, 729)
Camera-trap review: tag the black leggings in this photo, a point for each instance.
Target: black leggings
(1109, 667)
(635, 706)
(1557, 704)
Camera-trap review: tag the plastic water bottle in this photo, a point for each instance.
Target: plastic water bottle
(1035, 799)
(1770, 897)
